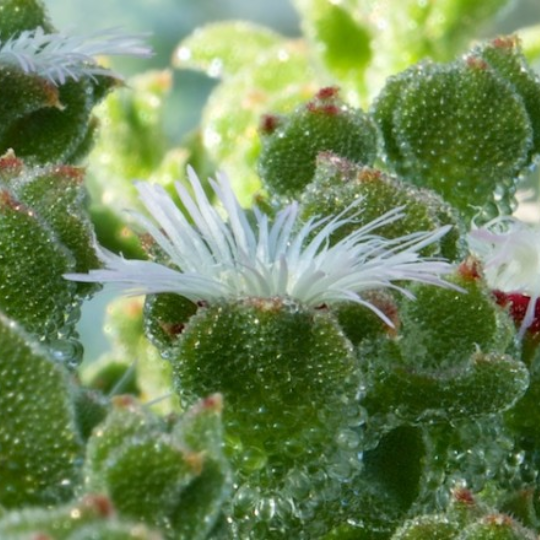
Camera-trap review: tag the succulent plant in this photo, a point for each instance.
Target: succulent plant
(339, 335)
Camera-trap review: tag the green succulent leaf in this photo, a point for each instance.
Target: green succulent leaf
(338, 182)
(53, 134)
(290, 144)
(165, 317)
(505, 56)
(436, 527)
(32, 264)
(459, 129)
(496, 527)
(90, 518)
(15, 104)
(146, 476)
(248, 350)
(60, 199)
(200, 430)
(174, 481)
(19, 15)
(40, 449)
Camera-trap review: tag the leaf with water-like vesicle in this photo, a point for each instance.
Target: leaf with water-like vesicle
(291, 144)
(496, 527)
(115, 530)
(443, 327)
(58, 196)
(437, 367)
(505, 56)
(126, 421)
(91, 408)
(459, 129)
(435, 527)
(176, 481)
(200, 430)
(39, 443)
(41, 120)
(90, 518)
(22, 94)
(290, 364)
(19, 15)
(146, 477)
(486, 384)
(32, 263)
(52, 134)
(338, 182)
(165, 317)
(221, 49)
(524, 417)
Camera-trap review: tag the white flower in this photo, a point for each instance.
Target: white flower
(510, 252)
(216, 258)
(58, 57)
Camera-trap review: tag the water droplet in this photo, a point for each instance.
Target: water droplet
(67, 351)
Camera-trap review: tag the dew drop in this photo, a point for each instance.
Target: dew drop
(67, 351)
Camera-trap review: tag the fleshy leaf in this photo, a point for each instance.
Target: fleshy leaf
(505, 56)
(52, 134)
(175, 481)
(442, 130)
(15, 104)
(19, 15)
(58, 196)
(290, 144)
(33, 262)
(338, 182)
(39, 444)
(90, 518)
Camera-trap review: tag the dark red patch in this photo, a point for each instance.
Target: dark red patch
(67, 171)
(101, 504)
(325, 109)
(475, 62)
(8, 201)
(11, 164)
(517, 304)
(464, 496)
(328, 92)
(172, 329)
(505, 42)
(269, 123)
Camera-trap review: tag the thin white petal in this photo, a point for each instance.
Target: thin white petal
(59, 57)
(222, 257)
